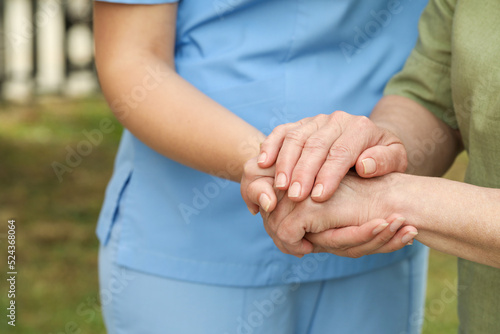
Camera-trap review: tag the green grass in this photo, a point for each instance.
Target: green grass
(56, 249)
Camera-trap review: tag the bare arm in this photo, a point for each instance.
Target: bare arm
(135, 62)
(452, 217)
(431, 145)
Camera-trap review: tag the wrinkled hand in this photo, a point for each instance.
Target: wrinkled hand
(348, 224)
(389, 235)
(319, 151)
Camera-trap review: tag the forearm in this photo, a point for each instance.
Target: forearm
(176, 119)
(452, 217)
(430, 143)
(135, 46)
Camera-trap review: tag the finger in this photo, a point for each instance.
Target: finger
(381, 160)
(275, 219)
(402, 238)
(347, 237)
(291, 150)
(311, 159)
(270, 231)
(291, 234)
(261, 193)
(300, 248)
(297, 248)
(380, 240)
(271, 146)
(355, 139)
(252, 172)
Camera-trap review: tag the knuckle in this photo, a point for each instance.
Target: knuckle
(270, 226)
(248, 168)
(278, 132)
(338, 113)
(283, 234)
(252, 188)
(280, 129)
(295, 136)
(364, 122)
(322, 117)
(314, 143)
(339, 152)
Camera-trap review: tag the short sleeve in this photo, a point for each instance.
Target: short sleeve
(426, 76)
(139, 2)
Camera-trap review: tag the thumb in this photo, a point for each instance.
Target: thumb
(261, 193)
(381, 160)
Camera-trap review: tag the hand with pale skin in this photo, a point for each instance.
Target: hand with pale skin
(312, 156)
(346, 141)
(352, 223)
(452, 217)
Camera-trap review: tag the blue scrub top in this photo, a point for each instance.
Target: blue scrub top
(270, 62)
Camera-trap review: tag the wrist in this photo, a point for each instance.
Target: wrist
(407, 195)
(389, 194)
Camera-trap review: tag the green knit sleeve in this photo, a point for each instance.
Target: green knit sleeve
(426, 78)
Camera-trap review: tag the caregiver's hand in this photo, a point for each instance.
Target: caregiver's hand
(257, 187)
(348, 224)
(320, 150)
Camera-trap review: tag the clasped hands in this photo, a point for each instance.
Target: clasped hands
(309, 199)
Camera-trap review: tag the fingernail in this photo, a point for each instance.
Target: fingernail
(317, 190)
(380, 228)
(265, 202)
(262, 157)
(294, 190)
(397, 224)
(410, 243)
(281, 180)
(369, 166)
(252, 211)
(408, 236)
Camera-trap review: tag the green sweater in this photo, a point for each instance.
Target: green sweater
(454, 71)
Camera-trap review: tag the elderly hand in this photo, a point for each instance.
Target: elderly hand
(353, 222)
(319, 151)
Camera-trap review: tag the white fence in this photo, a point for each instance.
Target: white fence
(46, 47)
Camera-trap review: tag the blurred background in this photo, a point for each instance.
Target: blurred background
(53, 172)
